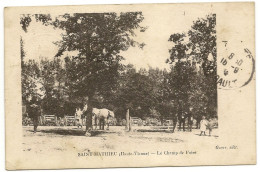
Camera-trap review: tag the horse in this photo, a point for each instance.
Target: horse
(102, 116)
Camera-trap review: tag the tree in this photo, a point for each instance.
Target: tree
(193, 72)
(136, 95)
(31, 75)
(26, 19)
(98, 38)
(53, 80)
(203, 41)
(202, 38)
(31, 87)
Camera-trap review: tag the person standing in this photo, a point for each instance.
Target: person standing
(78, 116)
(35, 113)
(203, 126)
(211, 125)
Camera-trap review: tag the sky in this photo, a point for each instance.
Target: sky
(39, 40)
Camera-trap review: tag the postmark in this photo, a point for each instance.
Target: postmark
(236, 66)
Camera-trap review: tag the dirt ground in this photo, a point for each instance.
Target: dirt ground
(62, 139)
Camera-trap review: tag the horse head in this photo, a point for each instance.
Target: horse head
(111, 114)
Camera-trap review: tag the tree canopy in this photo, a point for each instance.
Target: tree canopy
(96, 76)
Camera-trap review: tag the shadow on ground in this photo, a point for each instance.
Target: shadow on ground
(73, 132)
(151, 130)
(64, 132)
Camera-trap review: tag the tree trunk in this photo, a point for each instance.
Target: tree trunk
(128, 123)
(89, 118)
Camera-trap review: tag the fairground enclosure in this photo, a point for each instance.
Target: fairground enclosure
(88, 72)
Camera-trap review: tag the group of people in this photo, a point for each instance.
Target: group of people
(206, 124)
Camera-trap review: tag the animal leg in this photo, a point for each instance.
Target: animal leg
(100, 121)
(107, 125)
(103, 124)
(95, 123)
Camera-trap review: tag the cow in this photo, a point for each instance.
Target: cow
(101, 117)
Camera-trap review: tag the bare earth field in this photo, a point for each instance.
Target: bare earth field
(61, 139)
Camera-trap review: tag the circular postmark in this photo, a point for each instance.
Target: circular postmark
(236, 66)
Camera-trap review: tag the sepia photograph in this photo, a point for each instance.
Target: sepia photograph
(79, 79)
(119, 84)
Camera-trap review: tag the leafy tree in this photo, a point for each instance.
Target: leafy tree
(161, 92)
(31, 76)
(135, 93)
(30, 81)
(98, 38)
(26, 19)
(193, 73)
(53, 80)
(202, 38)
(203, 35)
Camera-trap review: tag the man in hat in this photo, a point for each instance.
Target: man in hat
(35, 113)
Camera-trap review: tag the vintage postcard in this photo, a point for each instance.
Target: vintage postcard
(142, 85)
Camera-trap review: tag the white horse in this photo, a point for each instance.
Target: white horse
(102, 116)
